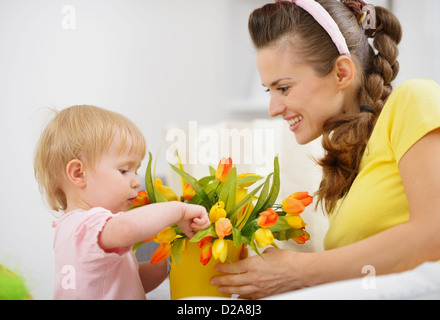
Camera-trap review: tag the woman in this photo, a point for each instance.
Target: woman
(381, 180)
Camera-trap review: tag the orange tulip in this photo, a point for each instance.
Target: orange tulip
(204, 240)
(263, 237)
(142, 199)
(302, 238)
(206, 253)
(267, 218)
(223, 227)
(304, 197)
(223, 169)
(297, 202)
(161, 253)
(188, 192)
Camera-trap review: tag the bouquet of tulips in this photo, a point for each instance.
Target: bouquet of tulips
(236, 212)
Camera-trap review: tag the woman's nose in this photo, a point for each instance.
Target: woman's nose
(276, 107)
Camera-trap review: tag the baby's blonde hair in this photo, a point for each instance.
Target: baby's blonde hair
(79, 132)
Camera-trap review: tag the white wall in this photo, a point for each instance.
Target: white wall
(158, 62)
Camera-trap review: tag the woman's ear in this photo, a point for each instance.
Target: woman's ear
(345, 70)
(75, 173)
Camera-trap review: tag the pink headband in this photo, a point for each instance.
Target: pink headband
(325, 20)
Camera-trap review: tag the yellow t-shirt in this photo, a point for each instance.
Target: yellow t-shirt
(377, 200)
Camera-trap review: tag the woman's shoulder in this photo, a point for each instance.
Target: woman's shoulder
(420, 88)
(413, 95)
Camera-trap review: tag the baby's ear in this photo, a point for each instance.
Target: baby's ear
(75, 173)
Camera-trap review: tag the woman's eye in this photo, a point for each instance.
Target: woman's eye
(123, 171)
(283, 90)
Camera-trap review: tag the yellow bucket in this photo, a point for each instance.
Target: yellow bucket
(191, 278)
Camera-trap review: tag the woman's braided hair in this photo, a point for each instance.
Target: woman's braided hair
(345, 136)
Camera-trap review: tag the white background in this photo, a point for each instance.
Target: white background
(160, 63)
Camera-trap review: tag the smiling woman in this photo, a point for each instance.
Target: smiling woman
(375, 170)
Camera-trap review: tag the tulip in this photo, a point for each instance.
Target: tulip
(188, 192)
(167, 192)
(263, 237)
(206, 253)
(166, 235)
(142, 199)
(204, 240)
(220, 249)
(217, 212)
(293, 206)
(301, 239)
(223, 169)
(223, 227)
(267, 218)
(304, 197)
(295, 222)
(161, 253)
(297, 202)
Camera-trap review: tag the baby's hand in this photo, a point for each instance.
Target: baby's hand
(195, 218)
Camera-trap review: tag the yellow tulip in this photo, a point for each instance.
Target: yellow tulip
(165, 236)
(263, 237)
(220, 249)
(217, 212)
(295, 222)
(167, 192)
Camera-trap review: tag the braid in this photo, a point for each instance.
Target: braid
(345, 137)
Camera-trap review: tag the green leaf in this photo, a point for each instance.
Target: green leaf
(234, 211)
(159, 196)
(250, 228)
(212, 171)
(275, 184)
(254, 247)
(208, 232)
(149, 185)
(287, 234)
(267, 200)
(176, 249)
(227, 194)
(280, 225)
(248, 179)
(241, 222)
(259, 206)
(236, 236)
(196, 186)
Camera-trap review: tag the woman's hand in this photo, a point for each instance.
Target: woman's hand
(277, 272)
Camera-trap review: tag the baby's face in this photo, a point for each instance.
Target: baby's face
(113, 183)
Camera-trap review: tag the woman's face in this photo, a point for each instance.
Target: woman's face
(303, 98)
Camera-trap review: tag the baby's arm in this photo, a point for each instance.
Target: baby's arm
(144, 222)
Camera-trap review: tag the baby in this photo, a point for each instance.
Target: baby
(85, 163)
